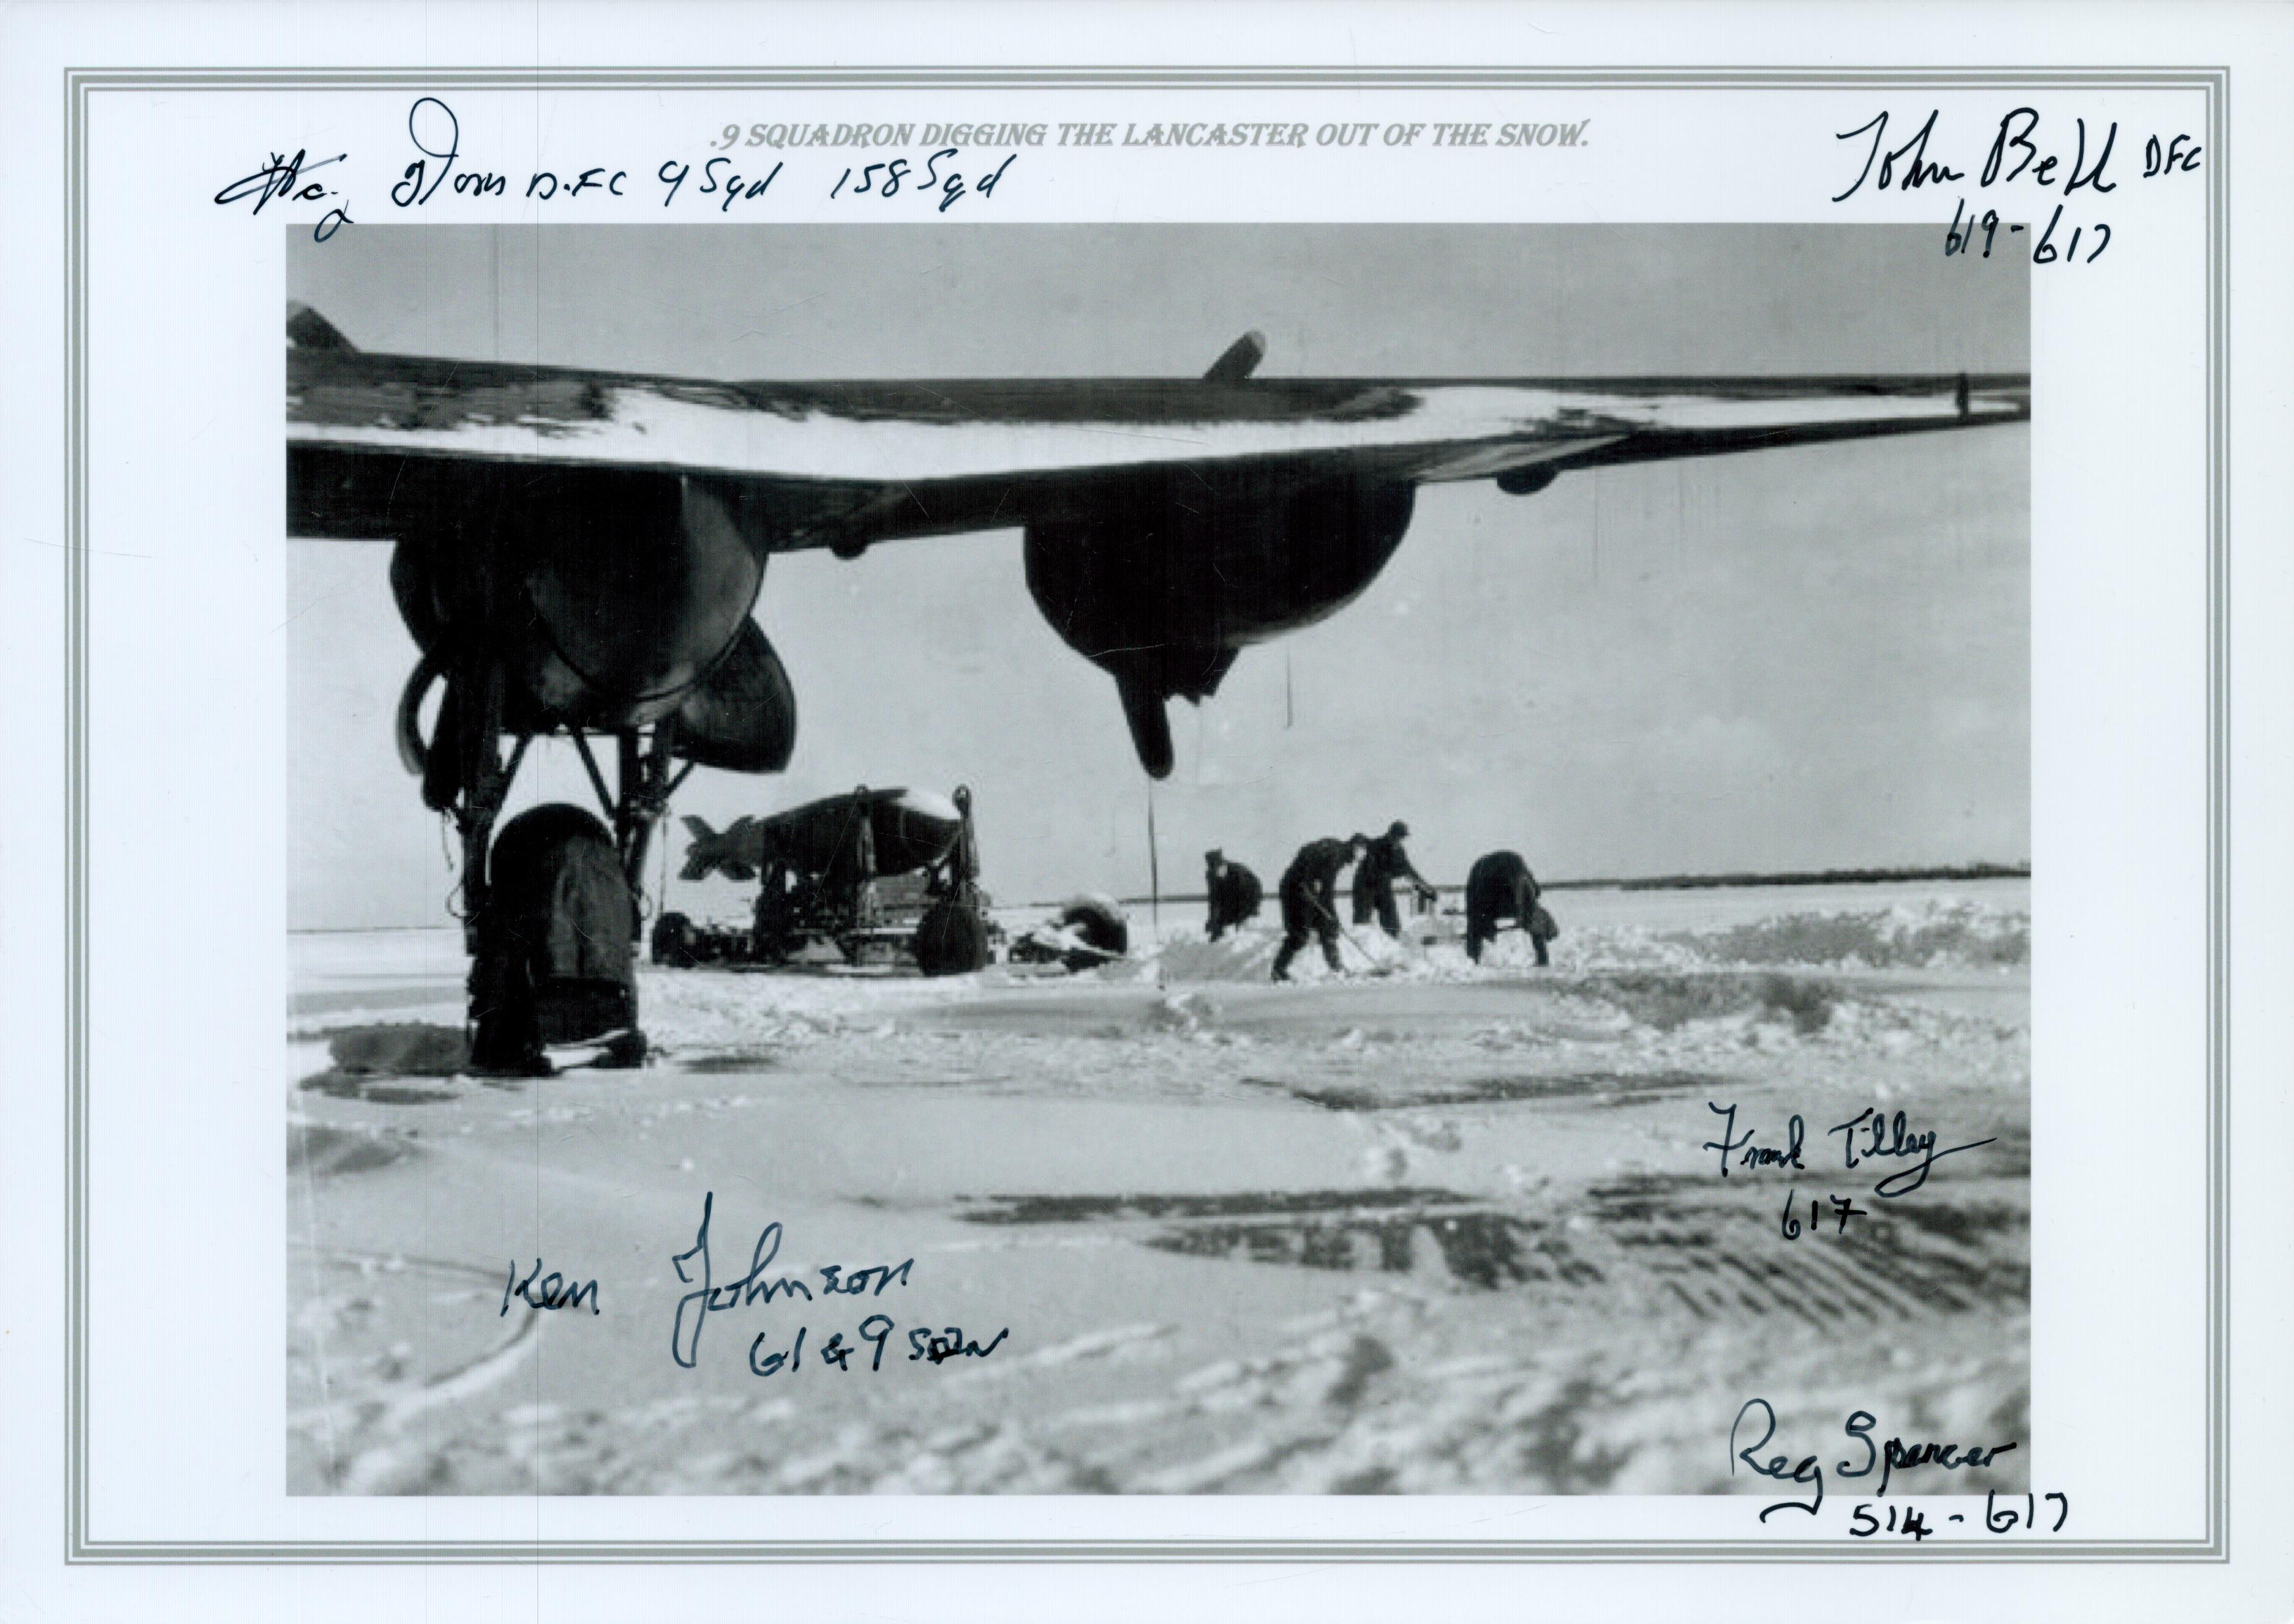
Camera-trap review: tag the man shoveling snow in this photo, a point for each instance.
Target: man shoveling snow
(1310, 899)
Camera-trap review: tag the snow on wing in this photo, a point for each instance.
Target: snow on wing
(854, 462)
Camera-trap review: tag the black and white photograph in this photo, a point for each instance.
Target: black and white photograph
(1140, 811)
(1254, 859)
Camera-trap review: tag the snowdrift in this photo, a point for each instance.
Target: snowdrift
(1934, 934)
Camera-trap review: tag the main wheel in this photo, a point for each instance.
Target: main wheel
(554, 963)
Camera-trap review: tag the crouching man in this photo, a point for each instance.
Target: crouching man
(1234, 894)
(1499, 886)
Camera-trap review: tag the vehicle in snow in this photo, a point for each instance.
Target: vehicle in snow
(879, 875)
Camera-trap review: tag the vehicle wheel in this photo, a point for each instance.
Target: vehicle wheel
(1100, 923)
(952, 940)
(672, 941)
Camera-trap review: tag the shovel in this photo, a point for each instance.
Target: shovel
(1375, 968)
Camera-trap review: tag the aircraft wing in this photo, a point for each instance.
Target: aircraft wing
(843, 464)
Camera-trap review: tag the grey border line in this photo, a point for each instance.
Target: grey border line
(81, 1548)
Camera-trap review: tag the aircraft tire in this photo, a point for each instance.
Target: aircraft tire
(555, 954)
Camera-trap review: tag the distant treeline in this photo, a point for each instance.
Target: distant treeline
(1711, 882)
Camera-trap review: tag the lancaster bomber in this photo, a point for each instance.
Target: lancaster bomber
(579, 551)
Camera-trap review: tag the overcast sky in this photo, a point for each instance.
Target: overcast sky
(1782, 659)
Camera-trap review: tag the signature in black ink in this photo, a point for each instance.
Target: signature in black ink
(546, 1291)
(1756, 1156)
(1908, 167)
(1897, 1455)
(1781, 1467)
(708, 1297)
(1887, 1459)
(1919, 172)
(1871, 1134)
(2018, 155)
(417, 184)
(286, 177)
(1885, 1136)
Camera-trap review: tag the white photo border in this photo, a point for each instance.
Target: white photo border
(84, 87)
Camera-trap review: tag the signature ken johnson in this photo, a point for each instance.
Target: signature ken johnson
(757, 1284)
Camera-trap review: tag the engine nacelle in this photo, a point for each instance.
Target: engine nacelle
(1529, 480)
(606, 604)
(1162, 584)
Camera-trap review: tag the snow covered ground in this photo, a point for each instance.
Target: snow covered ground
(1427, 1228)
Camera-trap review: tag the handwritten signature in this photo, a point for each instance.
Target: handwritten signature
(439, 167)
(1869, 1136)
(550, 1291)
(2018, 153)
(284, 177)
(1887, 1459)
(756, 1286)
